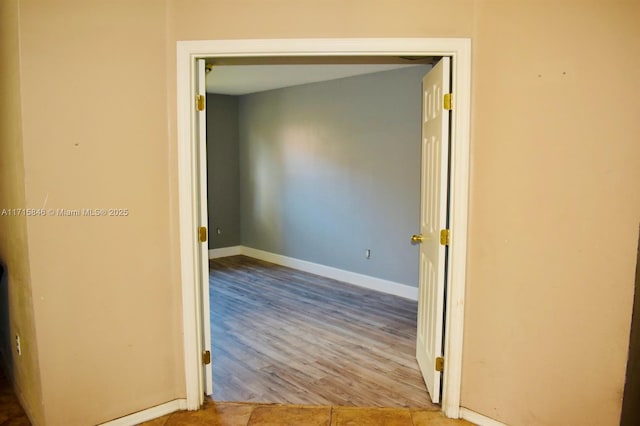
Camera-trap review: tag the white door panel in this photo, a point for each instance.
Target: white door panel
(433, 219)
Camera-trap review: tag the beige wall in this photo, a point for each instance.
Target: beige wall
(246, 19)
(106, 290)
(554, 199)
(13, 229)
(555, 205)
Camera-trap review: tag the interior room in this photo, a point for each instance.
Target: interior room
(316, 164)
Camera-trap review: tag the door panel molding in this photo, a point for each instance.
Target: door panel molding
(459, 49)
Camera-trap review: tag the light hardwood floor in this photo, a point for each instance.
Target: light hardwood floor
(285, 336)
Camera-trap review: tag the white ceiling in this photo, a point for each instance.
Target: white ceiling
(244, 79)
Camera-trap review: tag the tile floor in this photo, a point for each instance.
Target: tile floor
(245, 414)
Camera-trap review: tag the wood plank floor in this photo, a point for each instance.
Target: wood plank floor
(285, 336)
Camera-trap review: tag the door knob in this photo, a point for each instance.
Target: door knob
(416, 238)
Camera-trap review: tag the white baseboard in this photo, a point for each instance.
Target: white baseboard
(149, 413)
(354, 278)
(224, 252)
(478, 419)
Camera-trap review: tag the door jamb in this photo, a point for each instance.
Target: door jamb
(460, 51)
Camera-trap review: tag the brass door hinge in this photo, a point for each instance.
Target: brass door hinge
(206, 357)
(202, 234)
(200, 103)
(444, 237)
(440, 364)
(448, 101)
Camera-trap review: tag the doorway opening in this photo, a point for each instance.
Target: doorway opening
(188, 124)
(325, 159)
(327, 171)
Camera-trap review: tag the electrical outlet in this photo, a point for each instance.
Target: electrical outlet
(18, 347)
(367, 254)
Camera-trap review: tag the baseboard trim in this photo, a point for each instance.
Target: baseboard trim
(224, 252)
(349, 277)
(478, 419)
(149, 413)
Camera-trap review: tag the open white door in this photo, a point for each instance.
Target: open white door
(201, 133)
(433, 236)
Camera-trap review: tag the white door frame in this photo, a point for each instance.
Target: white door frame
(459, 49)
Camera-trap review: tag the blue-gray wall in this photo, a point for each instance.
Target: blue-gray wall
(223, 186)
(328, 170)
